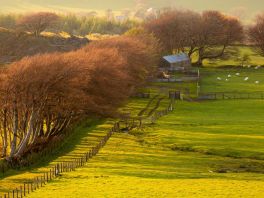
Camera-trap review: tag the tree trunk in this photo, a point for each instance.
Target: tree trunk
(30, 130)
(203, 56)
(15, 129)
(5, 142)
(200, 57)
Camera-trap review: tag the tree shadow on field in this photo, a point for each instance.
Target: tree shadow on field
(153, 162)
(82, 138)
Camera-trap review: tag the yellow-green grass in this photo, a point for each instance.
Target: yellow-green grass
(210, 83)
(83, 138)
(179, 156)
(134, 106)
(126, 167)
(233, 60)
(207, 149)
(231, 128)
(164, 87)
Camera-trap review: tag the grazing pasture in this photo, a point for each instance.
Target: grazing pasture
(202, 149)
(214, 79)
(76, 114)
(234, 57)
(199, 150)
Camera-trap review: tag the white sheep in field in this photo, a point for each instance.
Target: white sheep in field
(227, 80)
(229, 76)
(237, 74)
(166, 75)
(246, 79)
(218, 78)
(257, 82)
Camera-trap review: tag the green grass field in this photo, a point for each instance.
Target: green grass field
(189, 153)
(233, 60)
(201, 149)
(235, 83)
(82, 139)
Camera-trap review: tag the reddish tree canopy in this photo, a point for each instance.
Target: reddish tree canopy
(188, 31)
(42, 95)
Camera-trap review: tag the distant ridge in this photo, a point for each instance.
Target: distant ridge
(242, 8)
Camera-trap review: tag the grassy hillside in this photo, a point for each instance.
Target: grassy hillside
(186, 154)
(201, 149)
(233, 57)
(82, 139)
(235, 82)
(15, 46)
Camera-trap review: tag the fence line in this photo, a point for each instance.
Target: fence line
(37, 182)
(130, 123)
(231, 95)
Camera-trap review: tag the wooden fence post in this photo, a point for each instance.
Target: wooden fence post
(24, 189)
(37, 182)
(44, 181)
(58, 169)
(21, 193)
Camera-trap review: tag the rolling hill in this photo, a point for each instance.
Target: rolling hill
(243, 8)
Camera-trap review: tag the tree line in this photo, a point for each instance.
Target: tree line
(71, 23)
(207, 35)
(41, 96)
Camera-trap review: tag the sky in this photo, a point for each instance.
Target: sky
(245, 9)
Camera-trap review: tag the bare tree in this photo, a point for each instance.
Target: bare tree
(37, 22)
(208, 34)
(256, 33)
(218, 31)
(177, 30)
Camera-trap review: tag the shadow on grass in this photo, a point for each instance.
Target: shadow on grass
(68, 145)
(156, 162)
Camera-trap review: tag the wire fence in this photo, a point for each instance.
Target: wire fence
(37, 182)
(231, 95)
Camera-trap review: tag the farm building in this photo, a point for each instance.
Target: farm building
(177, 62)
(177, 68)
